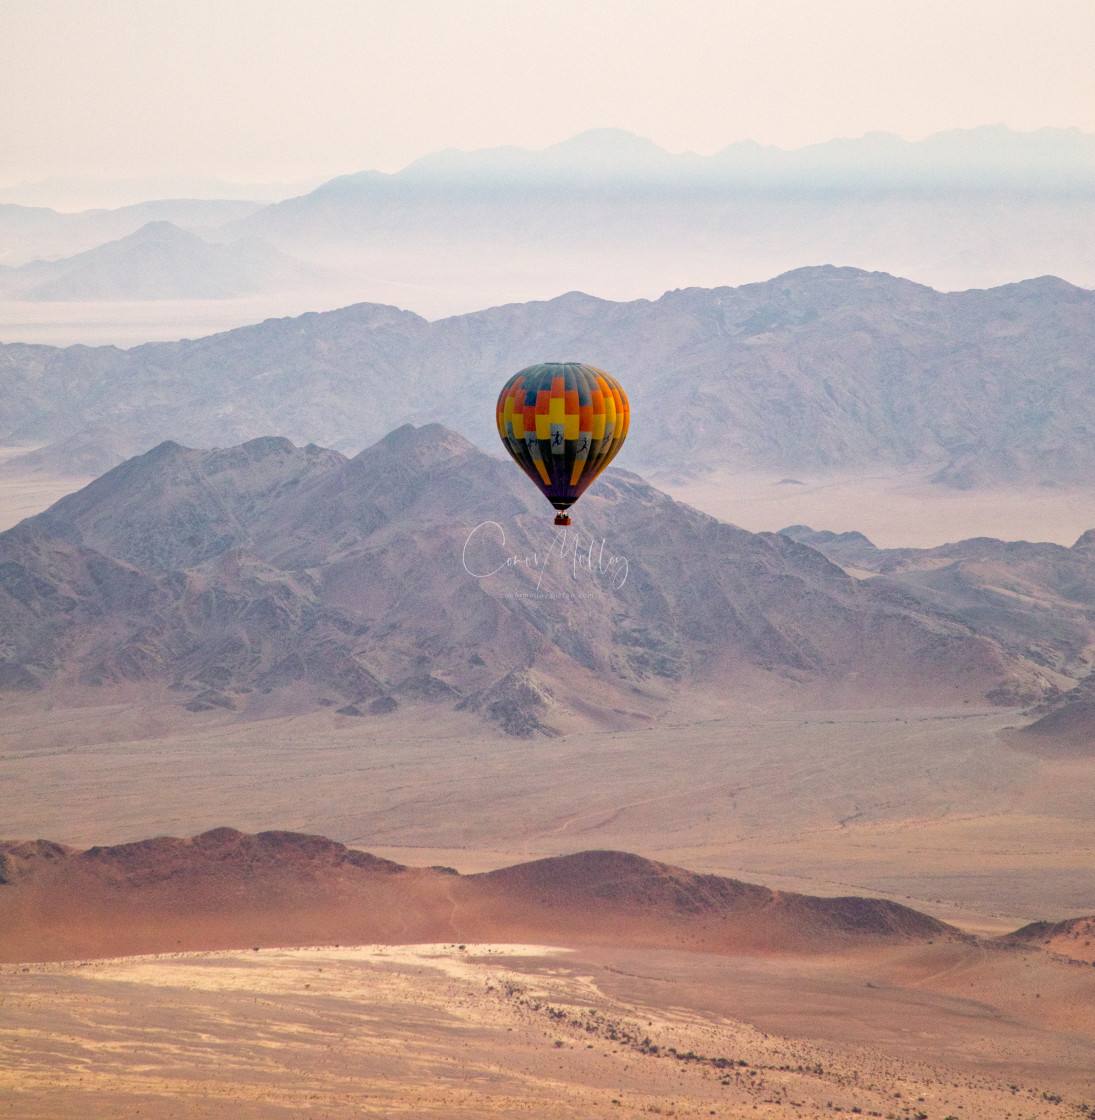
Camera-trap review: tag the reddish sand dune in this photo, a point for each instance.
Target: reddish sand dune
(226, 889)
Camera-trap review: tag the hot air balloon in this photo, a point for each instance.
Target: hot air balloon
(563, 422)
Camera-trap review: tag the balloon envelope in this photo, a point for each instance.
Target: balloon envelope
(563, 422)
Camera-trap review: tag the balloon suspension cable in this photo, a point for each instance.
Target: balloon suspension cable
(562, 519)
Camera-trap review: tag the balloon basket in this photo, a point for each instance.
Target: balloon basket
(562, 519)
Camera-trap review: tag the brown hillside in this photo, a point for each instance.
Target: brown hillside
(226, 889)
(1067, 730)
(1073, 938)
(596, 889)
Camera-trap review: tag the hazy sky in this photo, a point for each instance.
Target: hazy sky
(283, 89)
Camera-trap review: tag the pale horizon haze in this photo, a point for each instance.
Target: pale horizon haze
(281, 89)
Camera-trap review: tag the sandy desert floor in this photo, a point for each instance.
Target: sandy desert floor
(493, 1030)
(893, 509)
(25, 494)
(126, 323)
(935, 809)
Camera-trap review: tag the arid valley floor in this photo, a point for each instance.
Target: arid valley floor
(504, 1030)
(945, 810)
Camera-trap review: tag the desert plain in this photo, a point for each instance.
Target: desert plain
(945, 810)
(527, 1030)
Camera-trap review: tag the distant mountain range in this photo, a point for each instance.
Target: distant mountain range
(1037, 598)
(159, 261)
(990, 156)
(611, 213)
(243, 576)
(35, 233)
(616, 215)
(1034, 597)
(74, 193)
(818, 370)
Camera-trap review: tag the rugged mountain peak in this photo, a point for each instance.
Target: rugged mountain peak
(158, 261)
(814, 537)
(417, 446)
(168, 449)
(163, 232)
(263, 446)
(1047, 286)
(429, 571)
(19, 858)
(826, 272)
(607, 140)
(175, 507)
(588, 873)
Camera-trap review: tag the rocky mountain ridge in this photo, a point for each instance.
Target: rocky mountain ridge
(1035, 597)
(614, 214)
(425, 572)
(818, 370)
